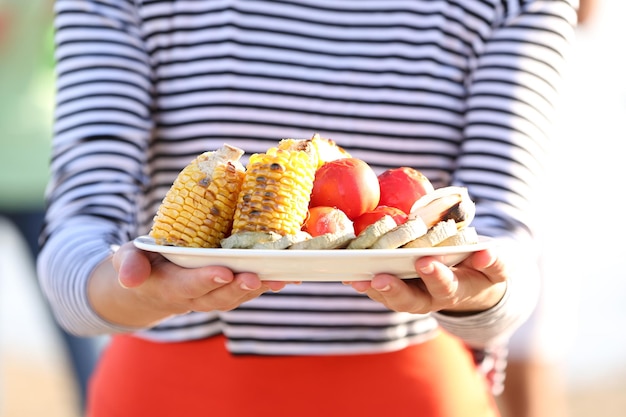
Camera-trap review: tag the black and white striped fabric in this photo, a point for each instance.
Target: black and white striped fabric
(461, 89)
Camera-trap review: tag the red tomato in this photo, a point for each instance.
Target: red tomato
(323, 219)
(349, 184)
(369, 217)
(401, 187)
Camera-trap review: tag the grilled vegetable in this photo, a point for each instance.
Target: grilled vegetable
(401, 235)
(284, 242)
(443, 204)
(336, 240)
(435, 235)
(198, 209)
(373, 232)
(246, 240)
(370, 217)
(465, 236)
(275, 193)
(327, 150)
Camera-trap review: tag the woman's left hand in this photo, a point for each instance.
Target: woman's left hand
(474, 285)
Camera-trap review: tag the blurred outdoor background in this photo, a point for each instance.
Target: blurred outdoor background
(584, 226)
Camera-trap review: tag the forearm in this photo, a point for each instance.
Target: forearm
(65, 265)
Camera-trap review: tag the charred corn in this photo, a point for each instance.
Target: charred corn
(276, 189)
(198, 209)
(327, 150)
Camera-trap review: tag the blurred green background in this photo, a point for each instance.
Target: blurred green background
(26, 100)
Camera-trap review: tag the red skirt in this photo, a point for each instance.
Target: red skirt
(201, 378)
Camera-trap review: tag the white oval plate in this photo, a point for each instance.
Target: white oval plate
(313, 265)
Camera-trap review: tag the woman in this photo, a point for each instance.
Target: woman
(461, 90)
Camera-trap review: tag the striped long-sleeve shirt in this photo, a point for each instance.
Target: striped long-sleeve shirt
(462, 90)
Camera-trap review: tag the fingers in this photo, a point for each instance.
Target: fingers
(396, 294)
(440, 281)
(199, 289)
(228, 295)
(489, 264)
(222, 294)
(474, 285)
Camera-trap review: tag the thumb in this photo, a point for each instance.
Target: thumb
(132, 265)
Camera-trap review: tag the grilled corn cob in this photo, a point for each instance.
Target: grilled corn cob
(327, 150)
(198, 209)
(276, 190)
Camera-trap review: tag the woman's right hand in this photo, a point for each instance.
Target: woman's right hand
(137, 289)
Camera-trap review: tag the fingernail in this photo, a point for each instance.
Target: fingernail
(244, 286)
(219, 280)
(384, 289)
(427, 269)
(360, 287)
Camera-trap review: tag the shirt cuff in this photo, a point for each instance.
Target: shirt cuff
(497, 324)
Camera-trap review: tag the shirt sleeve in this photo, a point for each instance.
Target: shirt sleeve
(514, 89)
(101, 132)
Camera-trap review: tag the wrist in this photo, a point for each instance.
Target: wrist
(118, 305)
(484, 301)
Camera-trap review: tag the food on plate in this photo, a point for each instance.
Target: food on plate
(198, 209)
(246, 240)
(283, 242)
(401, 235)
(323, 219)
(435, 235)
(447, 213)
(465, 236)
(402, 187)
(275, 193)
(369, 217)
(308, 194)
(349, 184)
(327, 150)
(372, 232)
(336, 240)
(443, 204)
